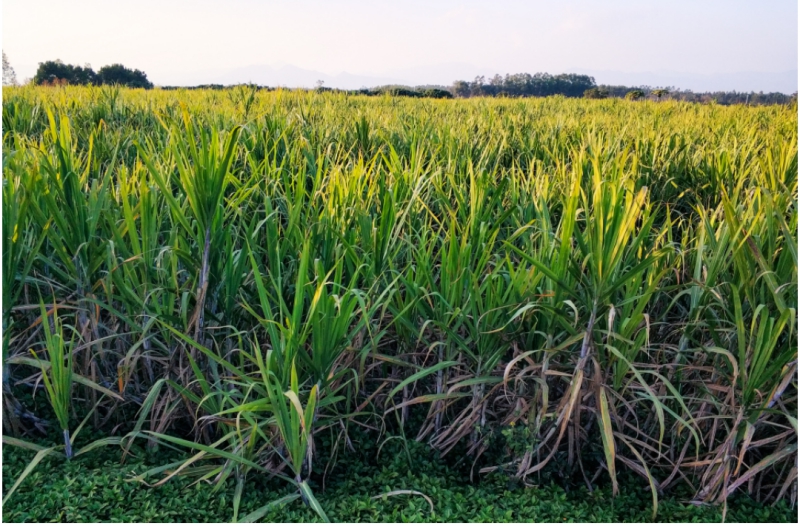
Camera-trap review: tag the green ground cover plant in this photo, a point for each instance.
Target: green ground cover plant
(99, 488)
(596, 291)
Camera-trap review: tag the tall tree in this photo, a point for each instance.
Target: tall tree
(9, 76)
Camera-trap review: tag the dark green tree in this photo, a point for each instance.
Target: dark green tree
(55, 71)
(436, 93)
(120, 75)
(396, 91)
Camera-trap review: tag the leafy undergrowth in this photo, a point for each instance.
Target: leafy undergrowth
(96, 487)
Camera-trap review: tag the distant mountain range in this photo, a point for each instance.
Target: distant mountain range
(290, 76)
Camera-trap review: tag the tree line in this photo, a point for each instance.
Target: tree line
(525, 85)
(671, 93)
(574, 85)
(55, 72)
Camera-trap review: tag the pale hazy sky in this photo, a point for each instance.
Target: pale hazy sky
(173, 40)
